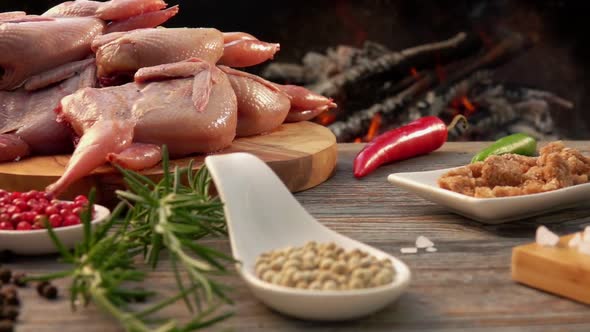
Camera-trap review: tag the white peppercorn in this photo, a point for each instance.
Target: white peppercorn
(323, 266)
(315, 285)
(261, 268)
(339, 268)
(330, 285)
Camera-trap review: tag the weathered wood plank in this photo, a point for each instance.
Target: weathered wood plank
(465, 286)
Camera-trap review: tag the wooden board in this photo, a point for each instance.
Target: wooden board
(303, 154)
(560, 270)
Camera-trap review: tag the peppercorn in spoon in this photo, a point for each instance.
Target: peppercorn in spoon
(263, 216)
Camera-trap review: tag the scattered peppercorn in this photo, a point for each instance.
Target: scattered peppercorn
(5, 275)
(9, 300)
(47, 290)
(9, 312)
(9, 295)
(323, 267)
(6, 326)
(19, 279)
(41, 286)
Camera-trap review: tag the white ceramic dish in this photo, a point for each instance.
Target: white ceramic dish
(38, 242)
(262, 215)
(489, 210)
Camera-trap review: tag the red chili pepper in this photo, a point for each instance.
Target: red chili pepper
(416, 138)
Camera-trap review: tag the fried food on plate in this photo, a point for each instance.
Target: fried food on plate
(512, 175)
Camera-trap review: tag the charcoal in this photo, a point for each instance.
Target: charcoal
(401, 62)
(442, 79)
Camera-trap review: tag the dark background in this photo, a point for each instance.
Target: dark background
(558, 63)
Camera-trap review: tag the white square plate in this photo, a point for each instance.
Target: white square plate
(489, 210)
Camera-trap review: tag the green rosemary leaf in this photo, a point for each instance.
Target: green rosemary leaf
(193, 204)
(159, 306)
(189, 218)
(176, 183)
(190, 174)
(87, 220)
(64, 252)
(208, 254)
(183, 229)
(166, 168)
(200, 321)
(140, 178)
(169, 326)
(136, 185)
(104, 228)
(130, 295)
(220, 291)
(201, 181)
(200, 279)
(180, 283)
(74, 289)
(50, 276)
(132, 197)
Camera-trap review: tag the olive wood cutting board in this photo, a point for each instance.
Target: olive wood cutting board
(303, 154)
(560, 270)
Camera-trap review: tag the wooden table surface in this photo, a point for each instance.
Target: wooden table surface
(465, 286)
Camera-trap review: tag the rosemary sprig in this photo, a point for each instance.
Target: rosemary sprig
(171, 214)
(174, 214)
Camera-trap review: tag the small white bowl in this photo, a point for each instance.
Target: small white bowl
(38, 242)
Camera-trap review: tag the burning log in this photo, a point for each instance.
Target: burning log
(357, 123)
(400, 62)
(503, 109)
(437, 101)
(318, 67)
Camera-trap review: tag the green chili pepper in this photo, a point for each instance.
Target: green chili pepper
(519, 143)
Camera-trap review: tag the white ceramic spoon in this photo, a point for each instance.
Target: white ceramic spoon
(262, 215)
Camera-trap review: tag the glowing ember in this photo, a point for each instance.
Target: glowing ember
(326, 118)
(414, 72)
(374, 128)
(468, 105)
(357, 140)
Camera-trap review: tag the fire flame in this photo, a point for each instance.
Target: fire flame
(374, 127)
(357, 140)
(326, 118)
(469, 107)
(462, 105)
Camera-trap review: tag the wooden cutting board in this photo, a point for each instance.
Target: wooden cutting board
(303, 154)
(560, 270)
